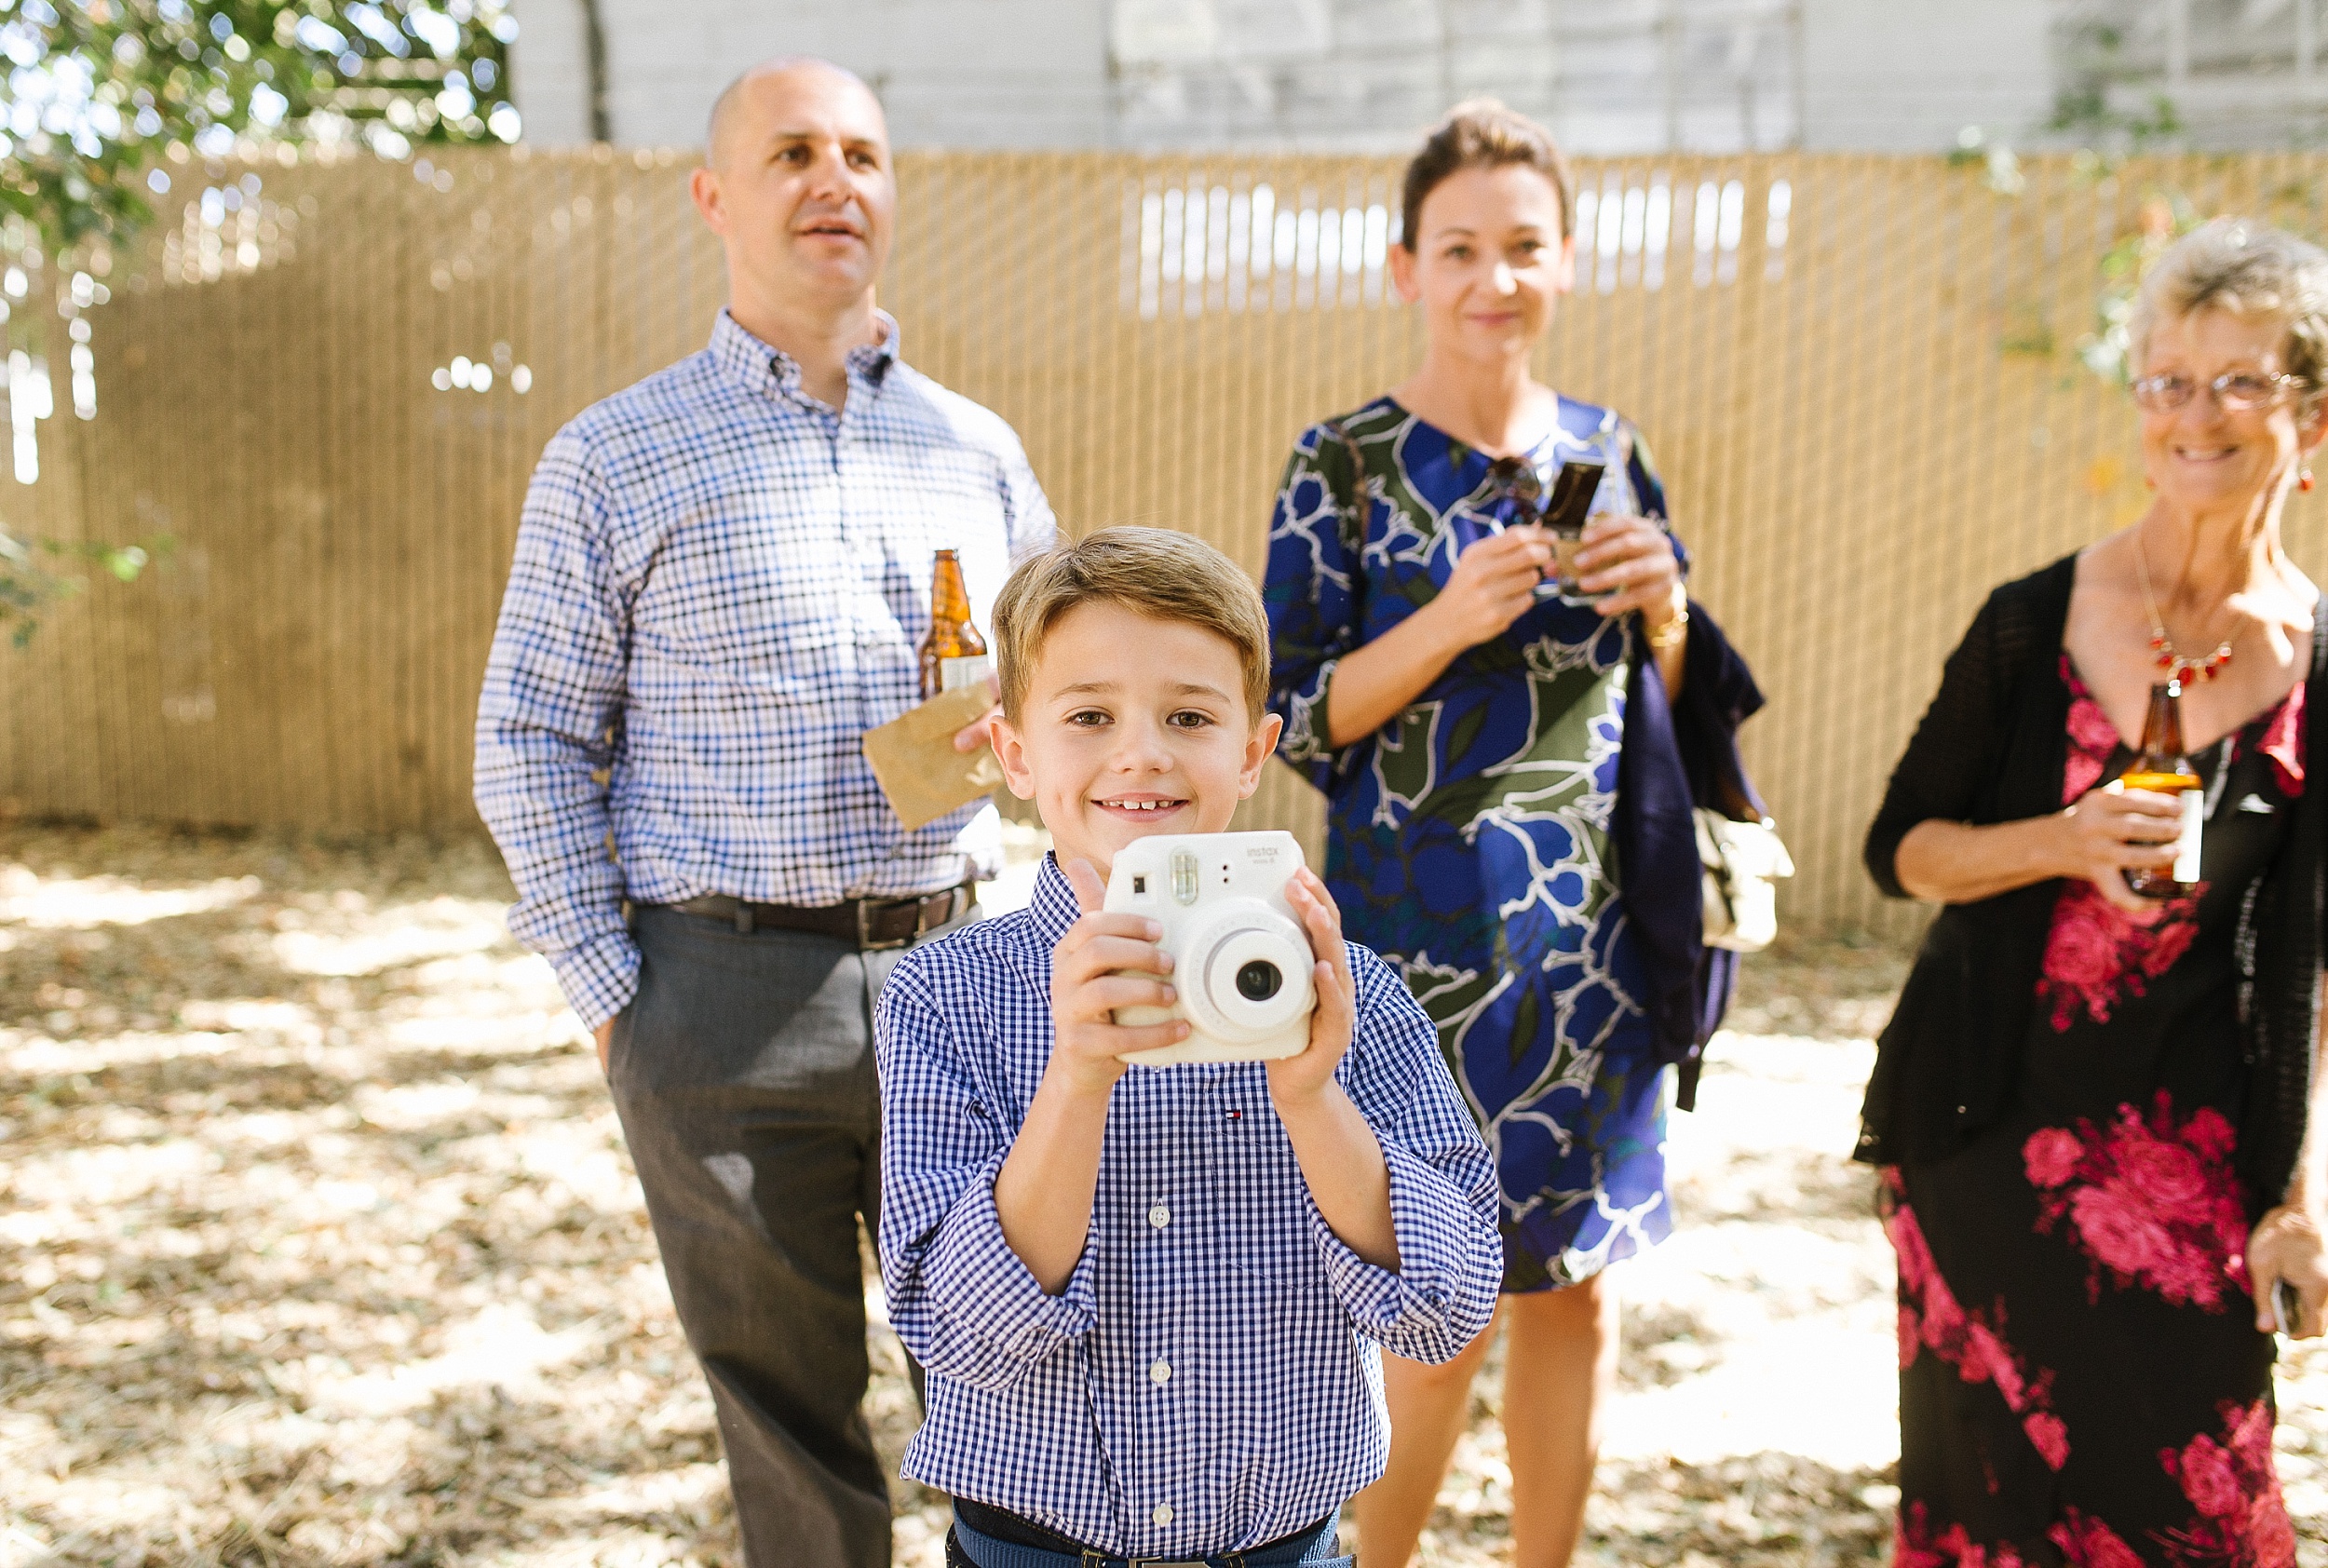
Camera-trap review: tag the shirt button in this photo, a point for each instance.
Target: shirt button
(1163, 1514)
(1160, 1373)
(1159, 1216)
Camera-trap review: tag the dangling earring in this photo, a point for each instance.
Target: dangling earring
(2304, 479)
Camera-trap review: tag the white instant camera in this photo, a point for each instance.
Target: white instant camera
(1240, 961)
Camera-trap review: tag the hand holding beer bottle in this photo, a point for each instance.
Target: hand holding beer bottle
(2161, 768)
(2134, 836)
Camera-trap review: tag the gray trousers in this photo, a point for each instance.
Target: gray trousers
(743, 1073)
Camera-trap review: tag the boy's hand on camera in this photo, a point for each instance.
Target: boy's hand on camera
(1087, 984)
(1297, 1080)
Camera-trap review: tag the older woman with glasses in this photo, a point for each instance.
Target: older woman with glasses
(1497, 733)
(2094, 1106)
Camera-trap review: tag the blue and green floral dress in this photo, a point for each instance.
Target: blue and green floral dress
(1470, 838)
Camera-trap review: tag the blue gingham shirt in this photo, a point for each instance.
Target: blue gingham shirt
(720, 585)
(1210, 1378)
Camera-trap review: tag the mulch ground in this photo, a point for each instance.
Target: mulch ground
(318, 1245)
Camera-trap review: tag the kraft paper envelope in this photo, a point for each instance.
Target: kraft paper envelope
(915, 762)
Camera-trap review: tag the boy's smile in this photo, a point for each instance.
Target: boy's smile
(1133, 725)
(1141, 805)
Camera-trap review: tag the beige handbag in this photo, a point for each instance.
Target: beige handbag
(1742, 861)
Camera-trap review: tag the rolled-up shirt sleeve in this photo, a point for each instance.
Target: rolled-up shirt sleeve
(553, 693)
(1442, 1184)
(959, 1298)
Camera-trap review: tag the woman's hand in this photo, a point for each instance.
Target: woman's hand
(2109, 832)
(1634, 558)
(1492, 585)
(2286, 1245)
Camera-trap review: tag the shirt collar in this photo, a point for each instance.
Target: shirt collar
(760, 368)
(1053, 905)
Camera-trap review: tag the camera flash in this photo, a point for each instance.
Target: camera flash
(1184, 876)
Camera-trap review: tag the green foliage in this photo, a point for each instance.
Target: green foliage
(105, 97)
(1999, 166)
(2165, 216)
(35, 572)
(2092, 107)
(2029, 336)
(103, 91)
(2086, 112)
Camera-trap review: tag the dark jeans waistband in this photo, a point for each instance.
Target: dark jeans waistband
(1014, 1546)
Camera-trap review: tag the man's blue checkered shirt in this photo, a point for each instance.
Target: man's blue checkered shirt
(1211, 1378)
(720, 587)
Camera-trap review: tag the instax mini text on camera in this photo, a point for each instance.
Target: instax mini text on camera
(1240, 961)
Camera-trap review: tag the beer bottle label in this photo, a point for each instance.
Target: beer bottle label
(963, 670)
(2186, 842)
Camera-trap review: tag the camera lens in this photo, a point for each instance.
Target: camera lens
(1258, 981)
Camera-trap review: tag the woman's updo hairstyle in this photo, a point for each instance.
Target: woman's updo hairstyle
(1482, 133)
(2248, 269)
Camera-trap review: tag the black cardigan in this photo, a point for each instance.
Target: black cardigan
(1989, 748)
(1677, 756)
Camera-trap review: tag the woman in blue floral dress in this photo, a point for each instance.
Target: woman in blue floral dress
(1467, 725)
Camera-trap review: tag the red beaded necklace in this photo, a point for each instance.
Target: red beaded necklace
(2176, 667)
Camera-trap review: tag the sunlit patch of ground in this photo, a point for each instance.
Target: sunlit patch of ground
(318, 1245)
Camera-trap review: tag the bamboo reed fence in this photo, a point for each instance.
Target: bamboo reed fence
(325, 381)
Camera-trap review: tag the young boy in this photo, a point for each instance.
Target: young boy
(1149, 1299)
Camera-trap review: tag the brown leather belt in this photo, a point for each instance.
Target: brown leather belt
(869, 924)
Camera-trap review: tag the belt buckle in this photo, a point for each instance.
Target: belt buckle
(866, 940)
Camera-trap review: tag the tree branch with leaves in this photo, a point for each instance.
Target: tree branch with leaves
(100, 99)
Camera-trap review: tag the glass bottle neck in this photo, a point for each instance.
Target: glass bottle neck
(2163, 726)
(949, 600)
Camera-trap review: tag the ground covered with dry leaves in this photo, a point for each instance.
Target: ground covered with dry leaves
(318, 1245)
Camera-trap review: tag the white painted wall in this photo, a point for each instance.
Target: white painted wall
(1364, 73)
(549, 71)
(968, 72)
(1880, 75)
(1608, 75)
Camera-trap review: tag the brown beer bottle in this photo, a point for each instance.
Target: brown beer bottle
(2163, 768)
(954, 653)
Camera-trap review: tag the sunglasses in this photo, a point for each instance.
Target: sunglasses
(1515, 477)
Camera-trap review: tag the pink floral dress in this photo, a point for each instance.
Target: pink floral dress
(2081, 1382)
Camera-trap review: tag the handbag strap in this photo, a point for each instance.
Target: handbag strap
(1352, 508)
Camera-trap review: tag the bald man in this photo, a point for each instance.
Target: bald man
(721, 576)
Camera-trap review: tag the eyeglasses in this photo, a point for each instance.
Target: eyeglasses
(2235, 391)
(1515, 477)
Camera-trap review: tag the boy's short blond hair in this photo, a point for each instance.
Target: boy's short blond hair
(1151, 571)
